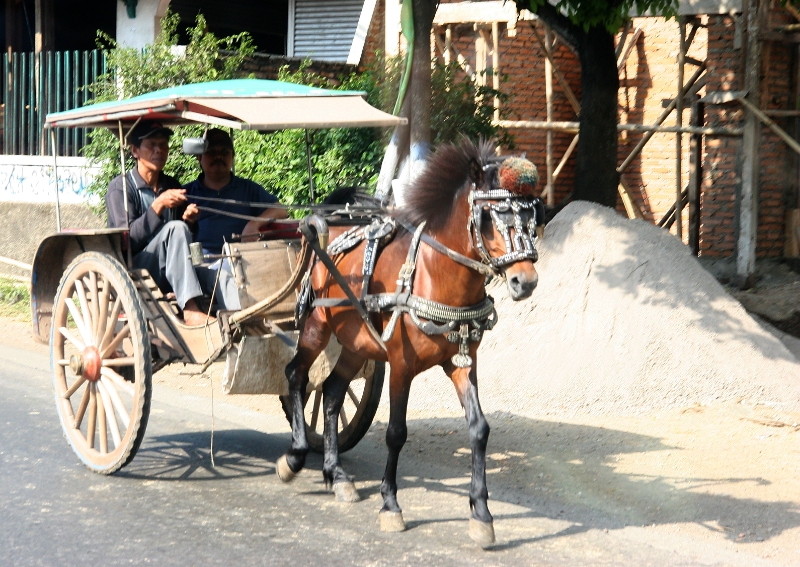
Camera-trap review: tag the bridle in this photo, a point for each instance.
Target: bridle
(497, 202)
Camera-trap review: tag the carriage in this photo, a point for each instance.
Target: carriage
(110, 327)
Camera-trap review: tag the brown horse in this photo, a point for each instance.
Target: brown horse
(432, 313)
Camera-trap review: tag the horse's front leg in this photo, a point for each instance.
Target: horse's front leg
(334, 390)
(391, 516)
(481, 527)
(312, 341)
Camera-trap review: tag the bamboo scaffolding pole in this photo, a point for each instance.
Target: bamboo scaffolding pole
(565, 157)
(661, 119)
(496, 66)
(679, 135)
(573, 128)
(791, 142)
(628, 49)
(548, 91)
(573, 100)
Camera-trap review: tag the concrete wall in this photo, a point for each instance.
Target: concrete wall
(27, 204)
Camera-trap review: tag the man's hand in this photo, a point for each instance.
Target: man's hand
(191, 213)
(169, 199)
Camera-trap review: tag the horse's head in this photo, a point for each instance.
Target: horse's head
(505, 220)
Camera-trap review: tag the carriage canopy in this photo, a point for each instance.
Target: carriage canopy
(243, 104)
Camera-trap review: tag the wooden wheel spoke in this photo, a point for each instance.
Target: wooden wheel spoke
(118, 380)
(74, 388)
(77, 317)
(93, 302)
(102, 430)
(87, 315)
(315, 411)
(122, 361)
(71, 338)
(62, 362)
(352, 395)
(343, 417)
(111, 321)
(108, 409)
(90, 430)
(102, 317)
(121, 336)
(108, 386)
(76, 424)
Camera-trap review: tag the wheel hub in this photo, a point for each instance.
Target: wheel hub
(87, 364)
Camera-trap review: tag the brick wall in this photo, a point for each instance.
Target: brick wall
(648, 79)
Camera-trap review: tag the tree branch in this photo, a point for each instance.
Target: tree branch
(561, 24)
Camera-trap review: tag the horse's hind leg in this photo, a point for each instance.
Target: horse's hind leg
(313, 339)
(334, 390)
(481, 527)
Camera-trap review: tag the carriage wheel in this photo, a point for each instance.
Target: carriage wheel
(100, 355)
(360, 404)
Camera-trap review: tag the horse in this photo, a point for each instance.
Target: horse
(426, 295)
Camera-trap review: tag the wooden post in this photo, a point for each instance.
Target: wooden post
(548, 90)
(748, 209)
(496, 66)
(695, 177)
(679, 135)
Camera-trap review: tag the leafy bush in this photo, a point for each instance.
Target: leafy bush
(163, 64)
(459, 106)
(339, 156)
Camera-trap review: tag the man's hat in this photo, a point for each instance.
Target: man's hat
(146, 129)
(218, 138)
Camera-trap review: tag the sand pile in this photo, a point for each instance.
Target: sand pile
(624, 321)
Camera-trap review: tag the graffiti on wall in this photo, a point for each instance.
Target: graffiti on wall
(33, 183)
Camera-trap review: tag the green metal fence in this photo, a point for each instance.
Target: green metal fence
(37, 84)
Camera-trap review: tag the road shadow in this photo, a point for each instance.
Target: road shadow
(568, 473)
(237, 453)
(547, 469)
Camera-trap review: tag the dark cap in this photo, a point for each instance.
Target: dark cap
(147, 129)
(218, 138)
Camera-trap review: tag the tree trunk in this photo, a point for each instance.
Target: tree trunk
(419, 89)
(596, 177)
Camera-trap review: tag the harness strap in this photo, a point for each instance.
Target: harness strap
(479, 267)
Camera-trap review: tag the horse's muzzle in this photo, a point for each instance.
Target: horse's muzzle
(521, 285)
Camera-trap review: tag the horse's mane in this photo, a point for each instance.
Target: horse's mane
(433, 194)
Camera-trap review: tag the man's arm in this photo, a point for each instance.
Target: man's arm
(264, 196)
(143, 224)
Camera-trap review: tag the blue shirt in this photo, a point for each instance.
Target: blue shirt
(214, 228)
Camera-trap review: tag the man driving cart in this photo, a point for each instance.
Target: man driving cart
(159, 216)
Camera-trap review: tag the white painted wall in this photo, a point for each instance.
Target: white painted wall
(29, 179)
(144, 28)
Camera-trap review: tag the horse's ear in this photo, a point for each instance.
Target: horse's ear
(476, 172)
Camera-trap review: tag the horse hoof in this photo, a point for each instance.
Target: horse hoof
(392, 522)
(345, 491)
(285, 473)
(481, 532)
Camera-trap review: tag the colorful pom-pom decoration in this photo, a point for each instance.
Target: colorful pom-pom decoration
(518, 175)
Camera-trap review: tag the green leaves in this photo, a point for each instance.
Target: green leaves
(610, 14)
(161, 65)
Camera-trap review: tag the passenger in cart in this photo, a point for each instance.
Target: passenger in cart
(217, 181)
(159, 216)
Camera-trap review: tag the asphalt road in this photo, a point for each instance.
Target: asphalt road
(172, 506)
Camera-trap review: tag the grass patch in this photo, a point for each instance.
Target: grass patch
(15, 300)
